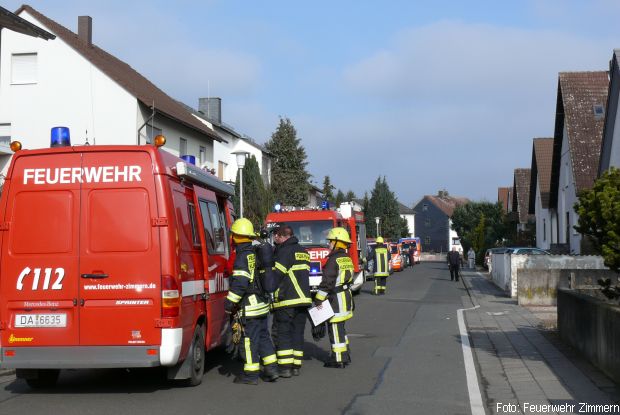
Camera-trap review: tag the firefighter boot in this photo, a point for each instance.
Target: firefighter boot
(295, 371)
(245, 380)
(285, 372)
(270, 373)
(334, 365)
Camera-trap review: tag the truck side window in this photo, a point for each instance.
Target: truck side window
(204, 212)
(194, 224)
(218, 228)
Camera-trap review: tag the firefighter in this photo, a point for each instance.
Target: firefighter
(291, 300)
(381, 258)
(335, 287)
(246, 296)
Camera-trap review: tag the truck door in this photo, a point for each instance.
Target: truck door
(215, 252)
(120, 270)
(39, 267)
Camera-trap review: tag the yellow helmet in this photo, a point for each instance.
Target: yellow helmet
(379, 239)
(243, 227)
(338, 234)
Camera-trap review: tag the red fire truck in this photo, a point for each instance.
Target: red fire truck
(111, 257)
(311, 227)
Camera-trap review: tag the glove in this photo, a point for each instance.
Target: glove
(230, 307)
(317, 302)
(318, 332)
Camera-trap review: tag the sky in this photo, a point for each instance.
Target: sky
(434, 95)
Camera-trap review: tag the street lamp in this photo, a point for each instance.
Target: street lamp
(377, 219)
(241, 156)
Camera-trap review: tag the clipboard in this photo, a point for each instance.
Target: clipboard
(321, 313)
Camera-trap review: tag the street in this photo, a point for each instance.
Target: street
(406, 352)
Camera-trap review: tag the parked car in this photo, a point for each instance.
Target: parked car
(527, 251)
(487, 255)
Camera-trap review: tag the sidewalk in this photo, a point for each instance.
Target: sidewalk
(520, 364)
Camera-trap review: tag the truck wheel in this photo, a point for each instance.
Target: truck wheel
(197, 356)
(46, 378)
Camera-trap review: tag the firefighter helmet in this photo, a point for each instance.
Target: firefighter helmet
(243, 227)
(339, 234)
(379, 239)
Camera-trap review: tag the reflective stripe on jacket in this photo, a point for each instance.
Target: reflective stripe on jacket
(244, 289)
(336, 285)
(381, 257)
(292, 266)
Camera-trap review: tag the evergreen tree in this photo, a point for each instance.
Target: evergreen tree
(339, 198)
(289, 178)
(383, 204)
(256, 200)
(480, 225)
(350, 196)
(328, 188)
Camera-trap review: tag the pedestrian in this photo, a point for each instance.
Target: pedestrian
(454, 262)
(247, 297)
(381, 259)
(335, 287)
(291, 300)
(412, 248)
(471, 257)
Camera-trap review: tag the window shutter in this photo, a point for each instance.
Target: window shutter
(24, 68)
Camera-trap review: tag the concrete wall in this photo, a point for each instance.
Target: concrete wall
(592, 327)
(505, 267)
(539, 287)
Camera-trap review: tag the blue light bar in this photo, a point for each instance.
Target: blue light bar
(60, 137)
(189, 159)
(325, 205)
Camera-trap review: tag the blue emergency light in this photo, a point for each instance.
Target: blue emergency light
(60, 137)
(189, 159)
(325, 205)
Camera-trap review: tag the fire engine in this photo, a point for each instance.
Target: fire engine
(111, 257)
(311, 226)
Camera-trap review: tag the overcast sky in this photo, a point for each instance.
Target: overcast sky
(442, 96)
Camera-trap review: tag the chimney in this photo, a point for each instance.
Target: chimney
(85, 29)
(212, 108)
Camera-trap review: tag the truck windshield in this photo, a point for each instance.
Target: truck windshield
(311, 233)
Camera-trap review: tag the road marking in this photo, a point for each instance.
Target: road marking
(475, 398)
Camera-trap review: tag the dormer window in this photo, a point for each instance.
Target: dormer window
(599, 111)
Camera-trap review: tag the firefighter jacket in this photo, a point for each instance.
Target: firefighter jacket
(292, 268)
(336, 285)
(381, 257)
(245, 288)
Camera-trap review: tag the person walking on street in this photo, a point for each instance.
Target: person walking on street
(247, 296)
(412, 248)
(454, 262)
(471, 257)
(381, 259)
(291, 300)
(335, 287)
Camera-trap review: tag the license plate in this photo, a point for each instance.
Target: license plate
(40, 320)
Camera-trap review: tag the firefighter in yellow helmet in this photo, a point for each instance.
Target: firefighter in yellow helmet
(335, 287)
(381, 258)
(246, 296)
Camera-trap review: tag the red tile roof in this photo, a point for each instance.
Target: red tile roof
(542, 157)
(123, 74)
(504, 195)
(521, 196)
(447, 203)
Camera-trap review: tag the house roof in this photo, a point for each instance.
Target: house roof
(15, 23)
(521, 194)
(579, 93)
(610, 112)
(127, 77)
(504, 195)
(405, 210)
(542, 157)
(446, 203)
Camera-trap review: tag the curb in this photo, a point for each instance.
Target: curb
(7, 372)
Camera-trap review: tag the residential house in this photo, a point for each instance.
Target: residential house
(409, 215)
(540, 183)
(233, 142)
(315, 196)
(69, 81)
(610, 147)
(433, 224)
(521, 198)
(579, 122)
(504, 196)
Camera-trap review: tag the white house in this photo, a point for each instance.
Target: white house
(409, 215)
(580, 117)
(69, 81)
(542, 157)
(610, 148)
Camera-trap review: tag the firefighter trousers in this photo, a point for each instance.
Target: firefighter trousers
(380, 285)
(257, 347)
(290, 324)
(339, 342)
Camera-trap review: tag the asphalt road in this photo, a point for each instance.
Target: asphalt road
(406, 359)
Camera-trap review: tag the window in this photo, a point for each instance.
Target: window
(215, 233)
(202, 155)
(5, 134)
(427, 222)
(182, 147)
(599, 111)
(427, 240)
(23, 68)
(221, 168)
(424, 207)
(194, 224)
(151, 133)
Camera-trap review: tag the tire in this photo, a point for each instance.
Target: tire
(46, 378)
(197, 355)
